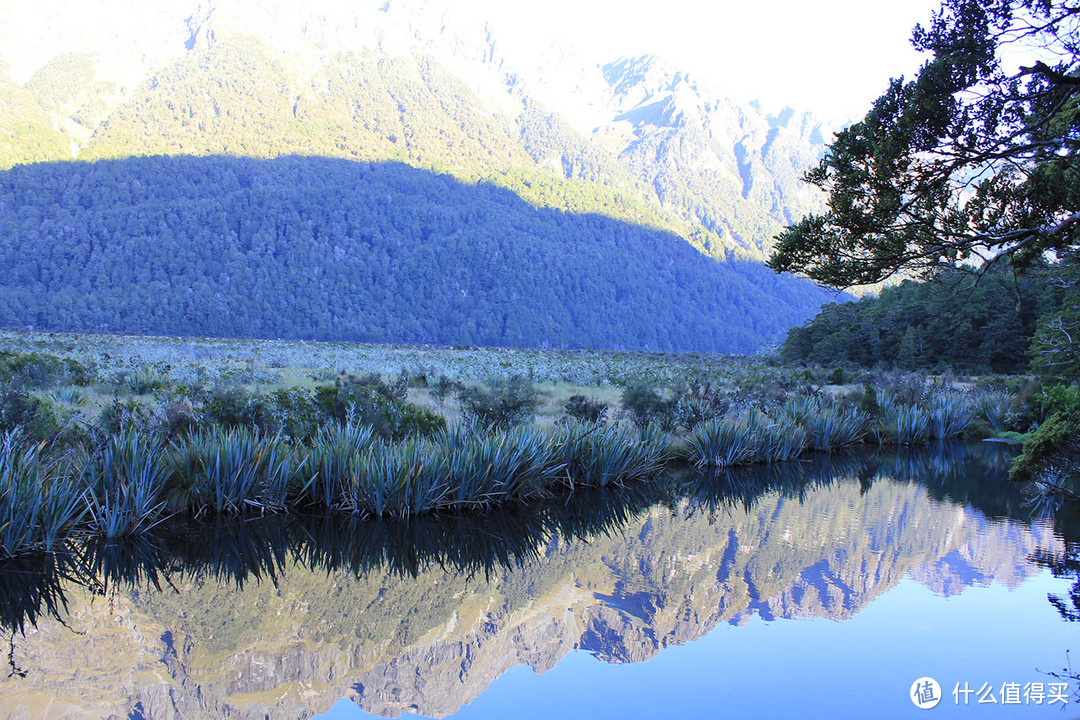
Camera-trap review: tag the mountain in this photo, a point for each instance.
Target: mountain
(315, 248)
(429, 86)
(418, 81)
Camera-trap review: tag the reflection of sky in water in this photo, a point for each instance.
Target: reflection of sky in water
(875, 580)
(860, 667)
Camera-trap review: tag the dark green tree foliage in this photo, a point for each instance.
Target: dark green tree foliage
(1055, 349)
(971, 160)
(954, 322)
(369, 400)
(323, 249)
(501, 404)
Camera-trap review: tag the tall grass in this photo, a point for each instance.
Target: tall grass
(333, 462)
(722, 442)
(828, 425)
(132, 481)
(491, 467)
(752, 438)
(992, 408)
(598, 455)
(950, 416)
(402, 479)
(38, 508)
(125, 484)
(906, 425)
(227, 471)
(776, 441)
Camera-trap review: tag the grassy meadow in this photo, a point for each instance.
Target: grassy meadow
(109, 435)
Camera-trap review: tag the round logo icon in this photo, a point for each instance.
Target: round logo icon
(925, 693)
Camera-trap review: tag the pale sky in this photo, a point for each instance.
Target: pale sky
(831, 56)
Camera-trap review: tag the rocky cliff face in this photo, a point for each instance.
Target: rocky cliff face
(290, 647)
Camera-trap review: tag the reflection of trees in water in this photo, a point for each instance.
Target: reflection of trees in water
(1064, 565)
(234, 552)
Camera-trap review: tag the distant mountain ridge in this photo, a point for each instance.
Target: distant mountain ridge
(629, 150)
(330, 79)
(317, 248)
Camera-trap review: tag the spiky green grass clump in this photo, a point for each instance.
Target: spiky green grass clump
(228, 471)
(125, 484)
(828, 425)
(722, 442)
(38, 507)
(333, 464)
(487, 468)
(751, 438)
(950, 416)
(598, 455)
(992, 408)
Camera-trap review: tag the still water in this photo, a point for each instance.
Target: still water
(816, 589)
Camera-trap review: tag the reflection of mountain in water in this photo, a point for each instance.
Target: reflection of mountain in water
(400, 620)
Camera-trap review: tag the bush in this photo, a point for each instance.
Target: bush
(295, 413)
(1053, 449)
(178, 419)
(868, 404)
(1057, 399)
(117, 415)
(443, 388)
(586, 410)
(38, 370)
(501, 404)
(235, 407)
(645, 406)
(367, 400)
(21, 411)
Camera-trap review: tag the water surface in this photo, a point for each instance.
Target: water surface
(820, 589)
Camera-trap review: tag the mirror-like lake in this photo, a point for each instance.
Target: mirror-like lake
(817, 589)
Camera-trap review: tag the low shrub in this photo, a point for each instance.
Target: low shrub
(32, 415)
(644, 405)
(367, 400)
(501, 403)
(236, 407)
(586, 410)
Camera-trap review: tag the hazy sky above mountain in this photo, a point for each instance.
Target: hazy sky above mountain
(831, 56)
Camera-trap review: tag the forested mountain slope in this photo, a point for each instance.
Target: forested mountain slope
(317, 248)
(960, 321)
(392, 171)
(414, 81)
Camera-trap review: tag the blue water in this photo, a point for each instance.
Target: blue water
(814, 590)
(816, 668)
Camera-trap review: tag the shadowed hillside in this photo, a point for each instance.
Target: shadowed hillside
(316, 248)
